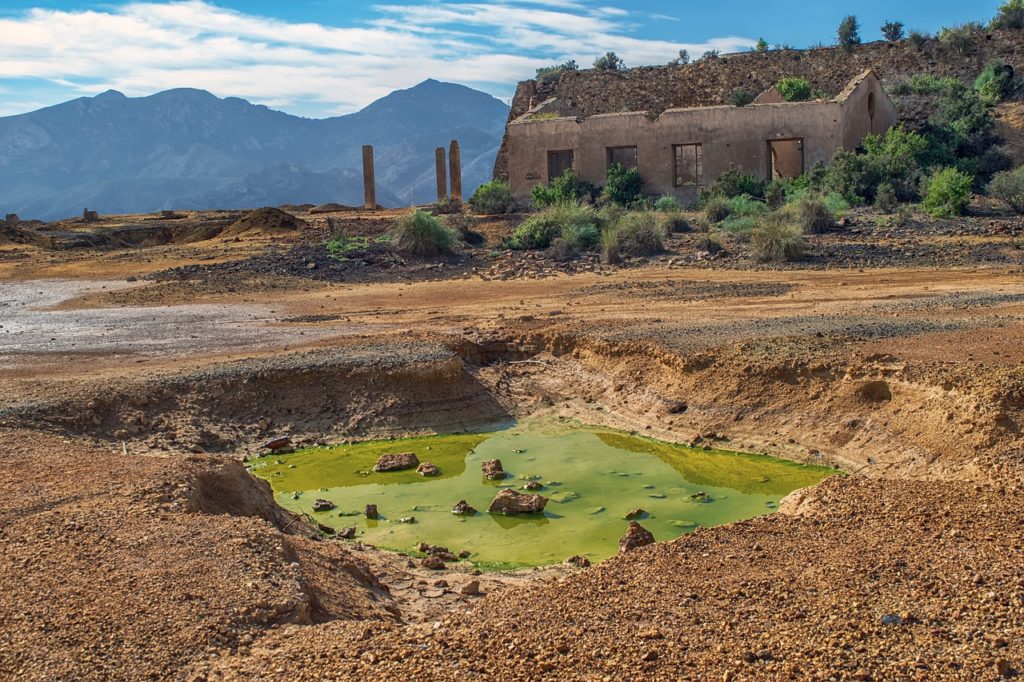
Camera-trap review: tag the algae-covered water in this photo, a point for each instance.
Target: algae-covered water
(593, 478)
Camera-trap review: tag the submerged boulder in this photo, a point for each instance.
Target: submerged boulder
(323, 505)
(397, 461)
(635, 514)
(347, 533)
(427, 469)
(371, 512)
(463, 508)
(511, 502)
(636, 536)
(493, 470)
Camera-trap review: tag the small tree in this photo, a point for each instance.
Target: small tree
(609, 62)
(949, 192)
(892, 31)
(1010, 15)
(849, 32)
(552, 73)
(683, 58)
(624, 185)
(711, 54)
(795, 89)
(762, 46)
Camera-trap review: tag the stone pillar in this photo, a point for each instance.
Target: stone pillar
(442, 177)
(455, 170)
(369, 185)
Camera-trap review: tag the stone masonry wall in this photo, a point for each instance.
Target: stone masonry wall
(709, 82)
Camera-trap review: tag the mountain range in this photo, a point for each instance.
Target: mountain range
(188, 149)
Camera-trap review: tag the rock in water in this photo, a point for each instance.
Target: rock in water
(511, 502)
(493, 470)
(371, 512)
(397, 461)
(323, 505)
(636, 536)
(635, 514)
(462, 508)
(347, 533)
(427, 469)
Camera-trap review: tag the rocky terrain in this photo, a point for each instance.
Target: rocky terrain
(138, 373)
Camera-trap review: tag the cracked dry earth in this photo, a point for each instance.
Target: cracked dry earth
(136, 546)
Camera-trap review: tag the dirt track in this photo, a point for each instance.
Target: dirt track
(130, 553)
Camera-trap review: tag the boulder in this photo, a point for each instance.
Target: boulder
(577, 561)
(462, 508)
(347, 533)
(472, 588)
(371, 512)
(427, 469)
(432, 549)
(492, 470)
(279, 443)
(636, 536)
(322, 505)
(434, 563)
(635, 514)
(397, 461)
(512, 502)
(533, 485)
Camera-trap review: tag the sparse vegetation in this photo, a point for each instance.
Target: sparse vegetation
(465, 226)
(667, 203)
(892, 31)
(1008, 187)
(959, 39)
(734, 183)
(948, 194)
(1009, 16)
(761, 46)
(638, 234)
(421, 234)
(682, 59)
(849, 32)
(624, 186)
(813, 215)
(924, 84)
(550, 74)
(795, 89)
(777, 239)
(672, 222)
(918, 39)
(994, 83)
(568, 220)
(609, 61)
(492, 198)
(716, 210)
(566, 187)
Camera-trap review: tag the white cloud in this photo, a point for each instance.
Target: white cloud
(143, 47)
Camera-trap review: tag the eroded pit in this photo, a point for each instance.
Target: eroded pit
(594, 481)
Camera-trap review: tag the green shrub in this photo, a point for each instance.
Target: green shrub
(993, 84)
(550, 74)
(813, 215)
(739, 227)
(577, 236)
(740, 97)
(885, 198)
(566, 187)
(1008, 187)
(637, 234)
(421, 234)
(924, 84)
(775, 194)
(892, 31)
(672, 222)
(733, 183)
(624, 186)
(667, 204)
(492, 198)
(445, 206)
(709, 242)
(777, 239)
(1010, 16)
(960, 39)
(610, 246)
(918, 39)
(716, 210)
(540, 229)
(848, 32)
(949, 193)
(609, 61)
(795, 89)
(762, 46)
(745, 206)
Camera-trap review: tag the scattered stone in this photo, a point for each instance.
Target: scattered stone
(347, 533)
(1003, 668)
(320, 505)
(533, 485)
(493, 470)
(637, 513)
(434, 563)
(891, 619)
(325, 529)
(636, 536)
(406, 519)
(464, 554)
(277, 444)
(432, 549)
(441, 583)
(472, 588)
(427, 469)
(371, 512)
(578, 561)
(462, 508)
(512, 502)
(396, 461)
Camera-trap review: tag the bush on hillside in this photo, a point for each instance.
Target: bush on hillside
(777, 239)
(948, 194)
(421, 234)
(566, 187)
(795, 89)
(1009, 16)
(492, 198)
(624, 186)
(551, 74)
(1008, 187)
(609, 61)
(848, 32)
(555, 221)
(740, 97)
(994, 83)
(892, 31)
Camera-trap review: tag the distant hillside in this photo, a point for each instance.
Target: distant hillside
(187, 148)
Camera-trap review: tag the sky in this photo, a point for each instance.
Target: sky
(321, 58)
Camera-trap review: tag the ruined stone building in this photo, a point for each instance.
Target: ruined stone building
(683, 150)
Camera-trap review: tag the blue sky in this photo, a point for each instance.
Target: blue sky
(327, 57)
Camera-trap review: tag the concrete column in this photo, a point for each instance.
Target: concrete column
(369, 183)
(455, 170)
(442, 176)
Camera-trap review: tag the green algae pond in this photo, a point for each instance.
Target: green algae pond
(593, 478)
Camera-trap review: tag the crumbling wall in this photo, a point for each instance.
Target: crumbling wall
(709, 82)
